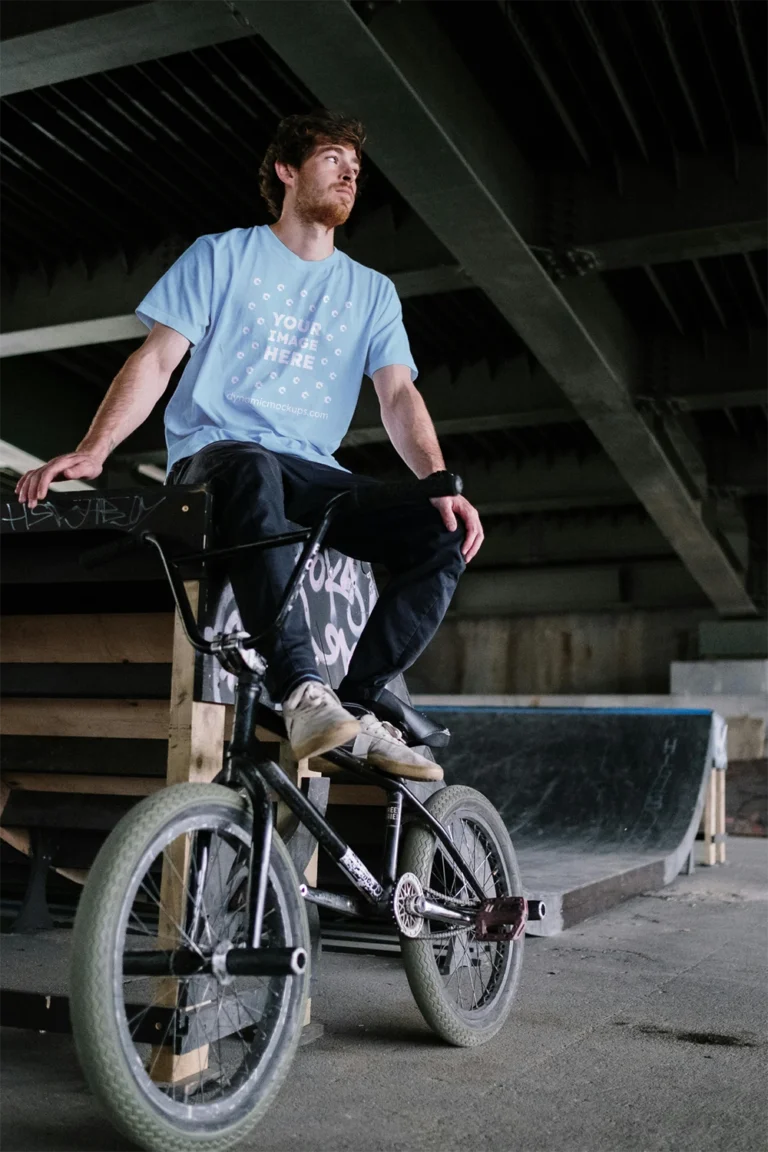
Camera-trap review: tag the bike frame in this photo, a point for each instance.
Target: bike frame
(249, 767)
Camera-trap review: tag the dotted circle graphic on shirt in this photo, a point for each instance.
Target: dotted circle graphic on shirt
(255, 344)
(319, 384)
(273, 376)
(280, 390)
(257, 280)
(235, 379)
(333, 376)
(297, 379)
(241, 355)
(246, 330)
(329, 336)
(335, 312)
(337, 352)
(265, 296)
(281, 287)
(260, 320)
(327, 399)
(289, 303)
(348, 304)
(324, 360)
(303, 292)
(343, 327)
(251, 304)
(326, 299)
(249, 370)
(305, 395)
(311, 307)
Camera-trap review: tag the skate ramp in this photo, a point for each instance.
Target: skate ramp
(601, 804)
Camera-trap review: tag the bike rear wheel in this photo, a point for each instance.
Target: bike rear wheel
(464, 987)
(184, 1062)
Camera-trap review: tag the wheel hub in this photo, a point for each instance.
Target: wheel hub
(408, 891)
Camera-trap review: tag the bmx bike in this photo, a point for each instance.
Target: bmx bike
(190, 969)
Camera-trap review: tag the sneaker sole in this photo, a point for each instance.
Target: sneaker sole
(407, 771)
(326, 740)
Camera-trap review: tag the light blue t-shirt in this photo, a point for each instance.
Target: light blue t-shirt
(280, 344)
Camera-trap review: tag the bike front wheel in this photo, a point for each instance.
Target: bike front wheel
(184, 1062)
(464, 987)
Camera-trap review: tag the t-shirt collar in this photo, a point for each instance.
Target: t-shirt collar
(285, 253)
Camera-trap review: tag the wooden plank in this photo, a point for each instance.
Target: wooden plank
(19, 839)
(720, 814)
(195, 752)
(367, 795)
(91, 785)
(103, 638)
(116, 719)
(297, 770)
(196, 731)
(709, 821)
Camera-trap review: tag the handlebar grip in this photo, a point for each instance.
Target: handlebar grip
(408, 491)
(95, 557)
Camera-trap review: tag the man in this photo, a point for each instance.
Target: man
(282, 327)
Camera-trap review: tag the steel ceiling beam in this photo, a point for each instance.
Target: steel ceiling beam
(443, 147)
(128, 36)
(93, 306)
(726, 370)
(590, 225)
(477, 398)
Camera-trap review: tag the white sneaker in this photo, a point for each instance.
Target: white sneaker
(315, 720)
(382, 744)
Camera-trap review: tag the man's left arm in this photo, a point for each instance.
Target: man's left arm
(409, 426)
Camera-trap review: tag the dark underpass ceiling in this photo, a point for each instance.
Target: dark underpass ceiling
(619, 149)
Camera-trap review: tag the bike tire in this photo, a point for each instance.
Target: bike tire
(463, 1025)
(100, 1016)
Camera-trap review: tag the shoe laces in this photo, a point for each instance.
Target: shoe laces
(311, 694)
(376, 727)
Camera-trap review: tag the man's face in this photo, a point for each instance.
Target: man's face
(326, 185)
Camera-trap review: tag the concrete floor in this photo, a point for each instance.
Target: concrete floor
(644, 1029)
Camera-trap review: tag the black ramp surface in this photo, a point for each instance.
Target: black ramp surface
(601, 803)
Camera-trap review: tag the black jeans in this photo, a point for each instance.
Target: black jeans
(257, 493)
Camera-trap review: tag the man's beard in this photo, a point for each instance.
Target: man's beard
(330, 213)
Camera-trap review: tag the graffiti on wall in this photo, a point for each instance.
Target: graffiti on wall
(337, 598)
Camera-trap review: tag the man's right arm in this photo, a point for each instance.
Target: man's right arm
(133, 394)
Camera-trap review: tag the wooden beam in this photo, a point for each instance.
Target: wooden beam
(118, 719)
(101, 638)
(88, 785)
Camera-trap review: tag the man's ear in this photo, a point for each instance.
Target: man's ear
(286, 173)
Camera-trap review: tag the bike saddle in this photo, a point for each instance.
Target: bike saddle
(417, 728)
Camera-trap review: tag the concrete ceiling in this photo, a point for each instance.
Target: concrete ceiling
(570, 198)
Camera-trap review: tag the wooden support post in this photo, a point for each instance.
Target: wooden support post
(195, 751)
(709, 819)
(720, 814)
(297, 770)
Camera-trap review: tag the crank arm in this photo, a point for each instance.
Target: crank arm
(431, 911)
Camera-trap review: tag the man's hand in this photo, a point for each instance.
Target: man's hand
(34, 485)
(449, 508)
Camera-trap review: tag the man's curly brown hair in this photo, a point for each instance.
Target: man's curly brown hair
(295, 140)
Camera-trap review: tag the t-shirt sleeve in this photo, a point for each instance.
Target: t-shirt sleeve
(182, 298)
(389, 341)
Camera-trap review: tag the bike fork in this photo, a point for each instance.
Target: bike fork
(258, 869)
